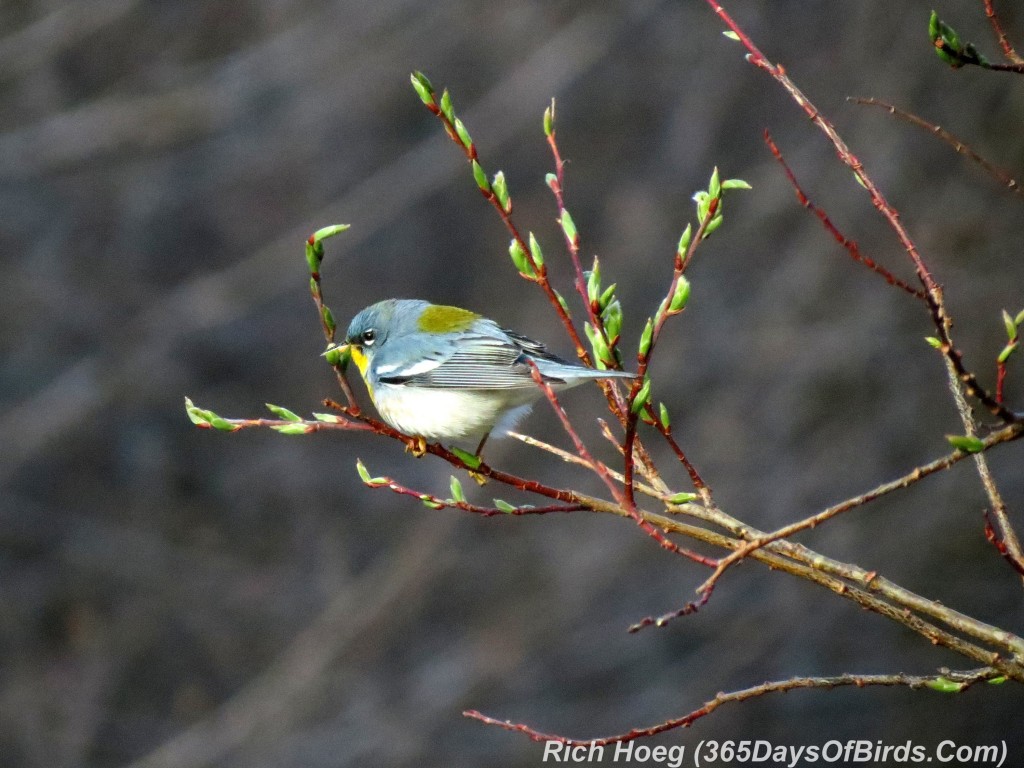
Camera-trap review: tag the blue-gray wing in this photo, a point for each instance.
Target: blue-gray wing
(492, 359)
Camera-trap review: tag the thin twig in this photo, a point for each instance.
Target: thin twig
(572, 458)
(959, 145)
(918, 473)
(936, 304)
(602, 471)
(851, 247)
(944, 680)
(997, 27)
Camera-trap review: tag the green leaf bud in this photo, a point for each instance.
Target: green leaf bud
(195, 414)
(594, 281)
(456, 488)
(283, 413)
(446, 105)
(607, 295)
(338, 355)
(681, 295)
(1019, 319)
(313, 257)
(682, 498)
(646, 337)
(731, 35)
(422, 87)
(430, 502)
(602, 355)
(568, 226)
(735, 184)
(329, 231)
(538, 254)
(292, 429)
(364, 475)
(470, 460)
(612, 316)
(933, 342)
(562, 303)
(1007, 351)
(463, 133)
(714, 224)
(1011, 326)
(500, 189)
(504, 506)
(551, 180)
(481, 177)
(515, 250)
(328, 418)
(666, 421)
(549, 119)
(684, 241)
(715, 185)
(642, 396)
(945, 685)
(329, 320)
(966, 443)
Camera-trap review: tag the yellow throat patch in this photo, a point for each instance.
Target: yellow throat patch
(362, 363)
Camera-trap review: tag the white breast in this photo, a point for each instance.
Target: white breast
(449, 414)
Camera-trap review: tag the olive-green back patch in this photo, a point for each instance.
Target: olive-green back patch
(441, 319)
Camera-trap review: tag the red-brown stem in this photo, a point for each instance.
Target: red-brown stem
(698, 482)
(665, 618)
(402, 490)
(936, 305)
(541, 271)
(961, 679)
(602, 471)
(959, 145)
(997, 27)
(1015, 562)
(1000, 379)
(615, 401)
(851, 247)
(682, 261)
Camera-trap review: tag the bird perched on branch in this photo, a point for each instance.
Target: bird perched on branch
(445, 373)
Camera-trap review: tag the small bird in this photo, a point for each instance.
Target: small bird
(446, 373)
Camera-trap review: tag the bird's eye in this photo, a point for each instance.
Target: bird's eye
(369, 336)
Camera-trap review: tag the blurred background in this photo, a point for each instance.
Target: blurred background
(176, 597)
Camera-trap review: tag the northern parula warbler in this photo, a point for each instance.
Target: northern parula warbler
(445, 373)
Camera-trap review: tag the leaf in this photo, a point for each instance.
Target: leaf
(456, 488)
(470, 460)
(197, 415)
(504, 506)
(329, 231)
(735, 184)
(966, 443)
(284, 413)
(945, 685)
(641, 397)
(568, 226)
(666, 422)
(292, 429)
(682, 498)
(481, 177)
